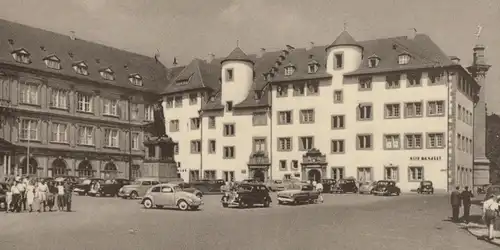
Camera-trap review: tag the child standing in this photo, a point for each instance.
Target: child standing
(60, 196)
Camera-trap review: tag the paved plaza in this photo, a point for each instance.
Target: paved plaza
(342, 222)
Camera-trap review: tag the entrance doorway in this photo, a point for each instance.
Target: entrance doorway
(258, 175)
(314, 175)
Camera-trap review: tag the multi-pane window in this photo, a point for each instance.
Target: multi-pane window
(212, 146)
(29, 129)
(294, 164)
(81, 69)
(391, 173)
(282, 91)
(413, 141)
(211, 122)
(365, 174)
(59, 99)
(285, 144)
(229, 130)
(284, 117)
(111, 138)
(306, 143)
(403, 59)
(414, 79)
(195, 146)
(149, 111)
(259, 119)
(110, 107)
(178, 101)
(59, 132)
(228, 152)
(415, 173)
(338, 96)
(338, 121)
(392, 110)
(107, 74)
(195, 123)
(173, 126)
(229, 75)
(413, 109)
(193, 99)
(228, 176)
(435, 140)
(283, 165)
(210, 175)
(86, 135)
(259, 145)
(392, 81)
(135, 80)
(135, 141)
(337, 146)
(84, 103)
(289, 70)
(52, 63)
(307, 116)
(29, 93)
(312, 87)
(298, 89)
(392, 141)
(365, 83)
(364, 112)
(337, 173)
(22, 56)
(134, 111)
(435, 108)
(364, 141)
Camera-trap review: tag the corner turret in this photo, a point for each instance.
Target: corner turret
(237, 77)
(344, 54)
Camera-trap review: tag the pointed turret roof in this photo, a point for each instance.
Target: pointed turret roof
(344, 39)
(237, 55)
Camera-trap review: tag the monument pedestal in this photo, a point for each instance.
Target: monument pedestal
(481, 171)
(159, 161)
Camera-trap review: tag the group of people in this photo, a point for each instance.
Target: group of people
(25, 194)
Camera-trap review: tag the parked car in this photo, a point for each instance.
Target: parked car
(111, 187)
(386, 188)
(209, 186)
(138, 188)
(328, 184)
(84, 187)
(367, 187)
(345, 186)
(3, 195)
(275, 185)
(492, 190)
(298, 193)
(250, 181)
(170, 195)
(188, 187)
(247, 195)
(425, 187)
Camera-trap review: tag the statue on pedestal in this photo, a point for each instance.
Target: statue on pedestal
(157, 127)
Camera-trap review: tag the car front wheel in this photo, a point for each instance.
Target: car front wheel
(133, 195)
(182, 205)
(148, 203)
(267, 203)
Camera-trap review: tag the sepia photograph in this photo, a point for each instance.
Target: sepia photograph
(249, 124)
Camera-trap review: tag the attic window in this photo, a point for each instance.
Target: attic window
(21, 56)
(289, 70)
(81, 68)
(52, 62)
(373, 61)
(135, 79)
(312, 67)
(403, 59)
(107, 74)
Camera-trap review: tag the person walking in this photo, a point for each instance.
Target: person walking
(455, 204)
(30, 196)
(22, 199)
(466, 196)
(68, 192)
(490, 213)
(319, 188)
(60, 196)
(16, 198)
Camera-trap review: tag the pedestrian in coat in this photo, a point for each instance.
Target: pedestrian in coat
(22, 199)
(68, 192)
(16, 198)
(466, 196)
(455, 204)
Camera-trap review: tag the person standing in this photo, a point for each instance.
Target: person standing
(319, 188)
(22, 199)
(43, 189)
(466, 196)
(490, 213)
(8, 199)
(16, 197)
(60, 196)
(68, 191)
(455, 204)
(30, 196)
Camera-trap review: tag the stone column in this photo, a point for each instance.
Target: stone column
(5, 166)
(8, 164)
(481, 167)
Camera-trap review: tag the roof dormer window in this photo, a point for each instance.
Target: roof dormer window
(312, 67)
(135, 79)
(22, 56)
(403, 59)
(107, 74)
(373, 61)
(81, 68)
(289, 70)
(52, 62)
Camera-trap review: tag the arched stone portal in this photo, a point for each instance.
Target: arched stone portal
(110, 171)
(31, 169)
(85, 169)
(259, 175)
(314, 175)
(59, 167)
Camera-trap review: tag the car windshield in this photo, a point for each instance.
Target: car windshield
(245, 188)
(86, 182)
(427, 183)
(382, 183)
(278, 182)
(307, 188)
(136, 183)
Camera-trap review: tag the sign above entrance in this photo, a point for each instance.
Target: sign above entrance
(425, 158)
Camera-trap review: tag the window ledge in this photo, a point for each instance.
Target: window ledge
(229, 135)
(85, 112)
(60, 142)
(30, 140)
(413, 148)
(303, 122)
(111, 147)
(412, 117)
(442, 147)
(364, 120)
(414, 86)
(364, 149)
(30, 104)
(392, 149)
(361, 89)
(111, 115)
(285, 123)
(86, 145)
(284, 150)
(392, 117)
(415, 180)
(435, 115)
(338, 128)
(59, 108)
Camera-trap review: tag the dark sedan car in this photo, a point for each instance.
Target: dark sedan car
(84, 187)
(208, 186)
(425, 187)
(112, 187)
(345, 186)
(247, 195)
(386, 188)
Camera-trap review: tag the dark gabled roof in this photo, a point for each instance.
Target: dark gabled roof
(300, 58)
(344, 39)
(41, 43)
(199, 75)
(237, 55)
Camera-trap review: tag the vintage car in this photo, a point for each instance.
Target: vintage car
(345, 186)
(425, 187)
(247, 195)
(84, 187)
(72, 179)
(110, 187)
(386, 188)
(138, 188)
(492, 190)
(367, 187)
(188, 187)
(3, 194)
(298, 193)
(208, 186)
(170, 195)
(328, 185)
(275, 185)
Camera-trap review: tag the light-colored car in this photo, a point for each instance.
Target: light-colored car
(170, 195)
(138, 188)
(298, 193)
(367, 187)
(275, 185)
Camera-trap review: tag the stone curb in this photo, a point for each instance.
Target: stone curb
(495, 242)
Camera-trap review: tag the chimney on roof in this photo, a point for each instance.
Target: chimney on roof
(262, 52)
(211, 57)
(174, 63)
(412, 33)
(455, 59)
(289, 47)
(311, 45)
(72, 35)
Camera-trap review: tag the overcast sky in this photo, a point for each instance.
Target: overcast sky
(188, 29)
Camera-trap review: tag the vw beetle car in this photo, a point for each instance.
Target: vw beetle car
(386, 188)
(170, 195)
(425, 187)
(367, 187)
(138, 188)
(298, 193)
